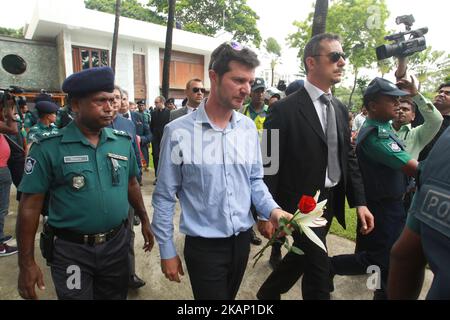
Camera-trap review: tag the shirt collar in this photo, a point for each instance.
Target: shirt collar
(72, 133)
(201, 116)
(314, 92)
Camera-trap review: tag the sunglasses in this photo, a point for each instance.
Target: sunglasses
(196, 90)
(334, 56)
(235, 45)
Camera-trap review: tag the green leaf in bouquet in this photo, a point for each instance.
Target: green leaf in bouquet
(297, 250)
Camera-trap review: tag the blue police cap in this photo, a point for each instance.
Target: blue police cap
(44, 107)
(22, 102)
(89, 81)
(43, 97)
(385, 87)
(294, 86)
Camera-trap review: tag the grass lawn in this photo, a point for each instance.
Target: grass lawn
(350, 219)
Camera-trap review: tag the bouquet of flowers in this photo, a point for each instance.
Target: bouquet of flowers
(308, 215)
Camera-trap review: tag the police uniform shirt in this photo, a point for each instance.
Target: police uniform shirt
(28, 120)
(88, 185)
(381, 148)
(39, 131)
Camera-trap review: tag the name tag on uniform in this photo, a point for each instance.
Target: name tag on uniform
(76, 159)
(117, 156)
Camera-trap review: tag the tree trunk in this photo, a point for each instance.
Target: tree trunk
(272, 66)
(168, 50)
(320, 17)
(353, 90)
(115, 37)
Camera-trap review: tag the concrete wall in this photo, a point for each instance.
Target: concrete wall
(42, 64)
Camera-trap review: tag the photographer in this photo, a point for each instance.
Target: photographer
(7, 126)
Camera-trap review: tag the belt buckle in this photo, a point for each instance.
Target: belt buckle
(100, 238)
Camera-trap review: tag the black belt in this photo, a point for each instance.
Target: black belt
(90, 239)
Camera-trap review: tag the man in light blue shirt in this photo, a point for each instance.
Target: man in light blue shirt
(211, 160)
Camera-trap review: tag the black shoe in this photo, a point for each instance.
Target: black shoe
(254, 239)
(6, 239)
(275, 257)
(135, 282)
(154, 182)
(136, 221)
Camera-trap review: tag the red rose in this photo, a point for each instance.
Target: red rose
(306, 204)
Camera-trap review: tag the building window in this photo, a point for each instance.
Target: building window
(85, 58)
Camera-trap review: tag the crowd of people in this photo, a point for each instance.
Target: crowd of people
(78, 169)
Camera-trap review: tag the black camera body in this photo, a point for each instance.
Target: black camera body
(402, 47)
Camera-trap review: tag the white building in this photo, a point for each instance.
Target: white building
(84, 39)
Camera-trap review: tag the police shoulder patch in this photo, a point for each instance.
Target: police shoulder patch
(121, 133)
(383, 133)
(29, 165)
(394, 146)
(49, 135)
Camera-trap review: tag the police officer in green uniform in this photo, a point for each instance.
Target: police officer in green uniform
(46, 123)
(384, 165)
(90, 172)
(426, 237)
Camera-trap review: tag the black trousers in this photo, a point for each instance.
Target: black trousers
(374, 249)
(84, 272)
(313, 265)
(155, 153)
(216, 266)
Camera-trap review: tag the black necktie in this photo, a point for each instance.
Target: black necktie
(334, 170)
(126, 115)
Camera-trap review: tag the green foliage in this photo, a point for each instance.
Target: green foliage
(210, 17)
(273, 47)
(361, 25)
(15, 33)
(431, 67)
(129, 8)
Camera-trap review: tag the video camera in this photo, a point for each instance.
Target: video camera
(401, 46)
(9, 94)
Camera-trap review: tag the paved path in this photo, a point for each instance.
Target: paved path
(158, 287)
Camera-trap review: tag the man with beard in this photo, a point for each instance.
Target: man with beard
(215, 184)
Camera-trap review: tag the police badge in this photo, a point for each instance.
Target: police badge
(395, 147)
(29, 165)
(78, 182)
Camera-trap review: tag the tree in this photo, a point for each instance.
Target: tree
(431, 67)
(129, 8)
(208, 17)
(115, 35)
(212, 16)
(15, 33)
(361, 25)
(274, 49)
(168, 50)
(320, 17)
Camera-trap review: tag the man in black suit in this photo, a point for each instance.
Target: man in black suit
(160, 117)
(314, 154)
(142, 128)
(195, 92)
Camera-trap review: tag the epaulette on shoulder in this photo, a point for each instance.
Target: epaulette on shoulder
(382, 132)
(47, 136)
(121, 133)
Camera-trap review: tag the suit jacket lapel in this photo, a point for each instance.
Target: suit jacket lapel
(309, 112)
